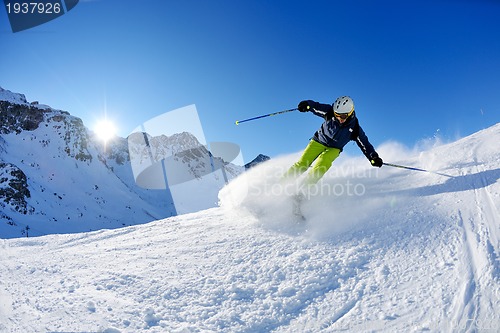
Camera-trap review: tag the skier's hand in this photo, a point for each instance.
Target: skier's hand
(377, 161)
(303, 106)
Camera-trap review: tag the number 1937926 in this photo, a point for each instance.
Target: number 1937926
(33, 8)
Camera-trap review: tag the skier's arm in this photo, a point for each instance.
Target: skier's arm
(319, 109)
(364, 144)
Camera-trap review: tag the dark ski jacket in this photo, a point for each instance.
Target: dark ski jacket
(336, 135)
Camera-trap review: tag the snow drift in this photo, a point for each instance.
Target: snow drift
(402, 252)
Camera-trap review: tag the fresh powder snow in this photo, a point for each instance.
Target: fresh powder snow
(381, 250)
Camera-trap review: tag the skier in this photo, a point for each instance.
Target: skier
(340, 127)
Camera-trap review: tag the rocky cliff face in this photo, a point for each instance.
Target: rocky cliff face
(16, 118)
(14, 190)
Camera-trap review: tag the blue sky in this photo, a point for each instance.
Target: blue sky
(414, 68)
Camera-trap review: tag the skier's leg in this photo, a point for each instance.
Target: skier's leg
(322, 165)
(312, 151)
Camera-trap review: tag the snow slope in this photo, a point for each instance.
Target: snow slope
(387, 250)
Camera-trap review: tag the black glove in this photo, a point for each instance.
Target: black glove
(304, 106)
(376, 161)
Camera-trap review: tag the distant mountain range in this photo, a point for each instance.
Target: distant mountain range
(57, 177)
(259, 159)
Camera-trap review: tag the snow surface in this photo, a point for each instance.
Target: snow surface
(388, 250)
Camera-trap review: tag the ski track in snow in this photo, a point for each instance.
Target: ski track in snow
(479, 257)
(416, 252)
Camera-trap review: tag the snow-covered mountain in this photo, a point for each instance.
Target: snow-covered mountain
(261, 158)
(381, 250)
(57, 177)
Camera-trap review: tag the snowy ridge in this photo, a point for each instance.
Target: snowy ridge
(401, 252)
(14, 98)
(19, 99)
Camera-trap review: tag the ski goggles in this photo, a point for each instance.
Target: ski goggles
(343, 116)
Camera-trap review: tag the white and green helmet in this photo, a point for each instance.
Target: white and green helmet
(343, 105)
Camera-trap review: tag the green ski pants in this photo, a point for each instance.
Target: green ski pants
(314, 150)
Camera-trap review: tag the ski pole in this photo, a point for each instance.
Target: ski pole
(266, 115)
(414, 169)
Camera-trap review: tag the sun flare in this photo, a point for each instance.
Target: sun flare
(105, 130)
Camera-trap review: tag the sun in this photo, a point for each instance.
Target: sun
(105, 130)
